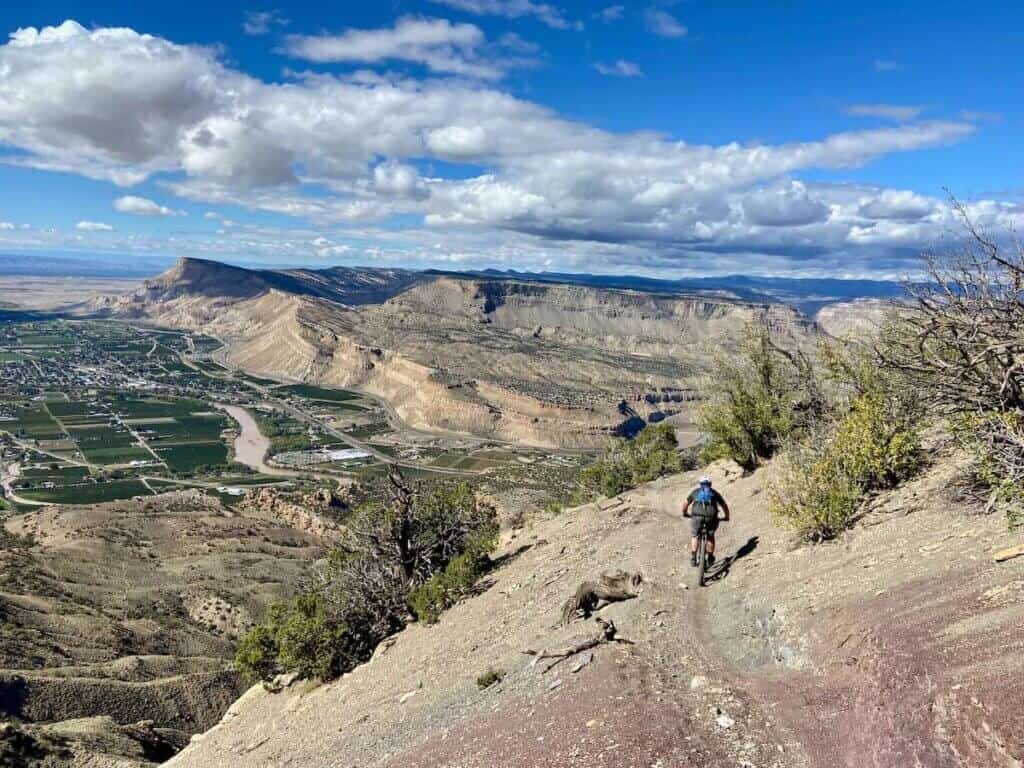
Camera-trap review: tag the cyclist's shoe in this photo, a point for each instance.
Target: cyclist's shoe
(693, 559)
(711, 560)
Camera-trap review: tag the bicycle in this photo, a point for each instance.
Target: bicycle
(702, 544)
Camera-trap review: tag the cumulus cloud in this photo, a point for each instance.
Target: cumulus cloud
(93, 226)
(7, 225)
(664, 24)
(620, 68)
(896, 204)
(123, 106)
(783, 206)
(260, 22)
(141, 206)
(437, 44)
(513, 9)
(898, 112)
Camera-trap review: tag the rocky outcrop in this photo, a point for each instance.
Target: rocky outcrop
(310, 513)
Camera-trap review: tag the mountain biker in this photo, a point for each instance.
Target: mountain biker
(706, 503)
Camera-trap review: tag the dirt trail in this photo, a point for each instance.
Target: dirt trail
(864, 652)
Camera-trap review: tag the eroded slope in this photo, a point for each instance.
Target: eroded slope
(899, 644)
(541, 364)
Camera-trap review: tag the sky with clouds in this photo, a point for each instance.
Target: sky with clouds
(659, 138)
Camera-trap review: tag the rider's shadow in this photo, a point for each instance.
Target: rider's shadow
(721, 569)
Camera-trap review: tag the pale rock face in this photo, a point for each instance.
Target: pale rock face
(539, 364)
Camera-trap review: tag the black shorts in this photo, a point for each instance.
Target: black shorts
(710, 525)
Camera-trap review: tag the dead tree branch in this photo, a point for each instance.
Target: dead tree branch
(608, 634)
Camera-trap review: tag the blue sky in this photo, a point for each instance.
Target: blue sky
(667, 139)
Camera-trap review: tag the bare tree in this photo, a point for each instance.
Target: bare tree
(960, 345)
(962, 339)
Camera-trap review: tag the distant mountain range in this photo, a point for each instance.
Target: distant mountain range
(81, 265)
(806, 294)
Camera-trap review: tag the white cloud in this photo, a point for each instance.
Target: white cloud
(783, 206)
(7, 225)
(437, 44)
(896, 204)
(897, 112)
(513, 9)
(93, 226)
(141, 206)
(514, 42)
(352, 151)
(664, 24)
(621, 68)
(611, 13)
(260, 22)
(886, 65)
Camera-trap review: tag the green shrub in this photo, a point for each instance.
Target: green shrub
(392, 552)
(296, 636)
(444, 589)
(490, 676)
(820, 480)
(653, 453)
(996, 442)
(812, 493)
(753, 399)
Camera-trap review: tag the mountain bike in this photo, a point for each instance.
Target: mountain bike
(702, 546)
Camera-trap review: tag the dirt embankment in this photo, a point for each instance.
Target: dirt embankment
(898, 645)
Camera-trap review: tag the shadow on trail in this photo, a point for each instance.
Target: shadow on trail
(721, 569)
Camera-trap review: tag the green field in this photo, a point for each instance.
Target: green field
(60, 474)
(186, 459)
(158, 407)
(36, 423)
(188, 429)
(88, 493)
(311, 392)
(364, 431)
(103, 444)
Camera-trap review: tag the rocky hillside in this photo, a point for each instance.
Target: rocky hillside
(897, 645)
(540, 364)
(126, 612)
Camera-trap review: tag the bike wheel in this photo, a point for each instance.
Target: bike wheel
(701, 559)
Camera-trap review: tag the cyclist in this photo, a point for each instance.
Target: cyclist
(702, 507)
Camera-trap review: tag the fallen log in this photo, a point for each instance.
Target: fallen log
(611, 586)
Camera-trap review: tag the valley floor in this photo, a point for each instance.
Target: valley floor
(898, 645)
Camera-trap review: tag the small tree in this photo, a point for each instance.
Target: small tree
(362, 594)
(755, 398)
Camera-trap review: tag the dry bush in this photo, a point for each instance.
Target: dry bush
(960, 345)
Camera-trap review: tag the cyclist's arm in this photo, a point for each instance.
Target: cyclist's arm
(725, 509)
(686, 508)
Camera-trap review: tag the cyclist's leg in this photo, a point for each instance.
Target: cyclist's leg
(712, 526)
(695, 523)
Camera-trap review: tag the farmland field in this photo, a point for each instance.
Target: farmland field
(88, 493)
(185, 459)
(311, 392)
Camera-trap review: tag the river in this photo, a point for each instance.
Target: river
(251, 445)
